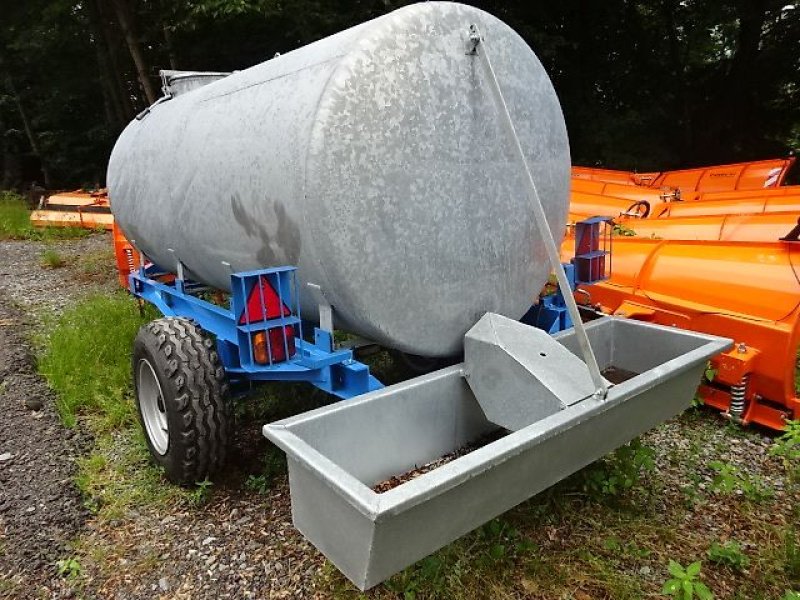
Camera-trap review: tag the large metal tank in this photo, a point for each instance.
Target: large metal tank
(375, 161)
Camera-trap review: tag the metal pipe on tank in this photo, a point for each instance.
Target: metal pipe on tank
(375, 161)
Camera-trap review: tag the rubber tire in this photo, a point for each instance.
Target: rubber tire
(195, 394)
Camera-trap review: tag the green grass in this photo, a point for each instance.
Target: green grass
(51, 259)
(87, 359)
(15, 222)
(99, 265)
(117, 476)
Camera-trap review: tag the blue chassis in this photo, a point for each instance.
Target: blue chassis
(318, 363)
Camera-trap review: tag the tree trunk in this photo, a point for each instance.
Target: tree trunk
(126, 23)
(26, 124)
(173, 57)
(118, 112)
(680, 106)
(111, 45)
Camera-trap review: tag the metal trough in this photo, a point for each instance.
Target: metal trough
(337, 453)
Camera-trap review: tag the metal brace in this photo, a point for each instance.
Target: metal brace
(325, 308)
(540, 217)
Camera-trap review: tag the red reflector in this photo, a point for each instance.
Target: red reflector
(264, 304)
(276, 343)
(261, 310)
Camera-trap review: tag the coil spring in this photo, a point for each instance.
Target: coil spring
(129, 259)
(738, 393)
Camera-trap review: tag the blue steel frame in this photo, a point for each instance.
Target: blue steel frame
(318, 363)
(551, 314)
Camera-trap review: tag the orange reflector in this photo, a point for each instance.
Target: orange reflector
(281, 340)
(260, 353)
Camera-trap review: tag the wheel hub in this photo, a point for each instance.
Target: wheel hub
(152, 407)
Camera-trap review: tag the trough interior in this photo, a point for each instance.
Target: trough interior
(410, 424)
(631, 345)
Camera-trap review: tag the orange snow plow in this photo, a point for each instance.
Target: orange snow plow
(614, 176)
(755, 175)
(769, 227)
(784, 199)
(633, 193)
(89, 210)
(749, 291)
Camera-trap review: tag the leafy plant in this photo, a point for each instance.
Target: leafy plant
(729, 479)
(201, 493)
(622, 230)
(685, 583)
(69, 568)
(787, 447)
(791, 595)
(274, 466)
(619, 471)
(728, 554)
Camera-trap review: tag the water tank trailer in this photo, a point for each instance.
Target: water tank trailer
(407, 177)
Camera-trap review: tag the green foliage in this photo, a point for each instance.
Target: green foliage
(791, 549)
(96, 265)
(274, 465)
(200, 493)
(622, 230)
(87, 359)
(728, 554)
(69, 568)
(619, 471)
(495, 546)
(52, 259)
(790, 595)
(629, 548)
(14, 217)
(15, 222)
(685, 583)
(729, 479)
(787, 447)
(716, 85)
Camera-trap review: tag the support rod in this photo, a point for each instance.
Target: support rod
(479, 48)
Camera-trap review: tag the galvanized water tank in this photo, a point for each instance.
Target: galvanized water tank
(374, 160)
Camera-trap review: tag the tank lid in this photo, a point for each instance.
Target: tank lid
(175, 83)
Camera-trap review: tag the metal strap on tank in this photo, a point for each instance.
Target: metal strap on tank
(475, 40)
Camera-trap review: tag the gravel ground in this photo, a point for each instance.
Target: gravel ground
(26, 283)
(240, 545)
(40, 508)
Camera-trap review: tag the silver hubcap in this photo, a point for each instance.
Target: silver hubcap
(151, 403)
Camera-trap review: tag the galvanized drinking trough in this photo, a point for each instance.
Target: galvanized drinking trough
(337, 453)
